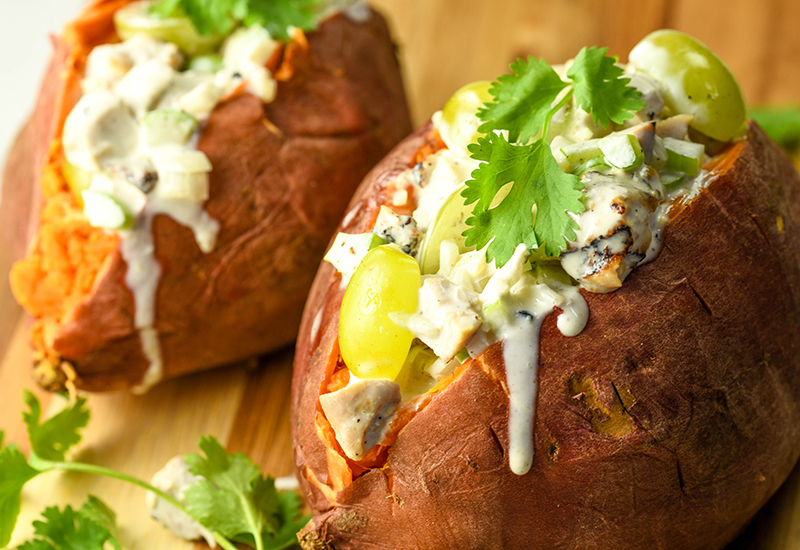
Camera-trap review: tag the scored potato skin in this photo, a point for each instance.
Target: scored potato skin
(667, 423)
(282, 175)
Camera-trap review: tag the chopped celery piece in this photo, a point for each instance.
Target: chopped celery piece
(672, 180)
(347, 251)
(205, 63)
(103, 210)
(167, 126)
(462, 355)
(622, 151)
(578, 153)
(683, 156)
(597, 164)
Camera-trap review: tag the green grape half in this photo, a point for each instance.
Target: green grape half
(135, 18)
(450, 223)
(459, 117)
(372, 345)
(695, 82)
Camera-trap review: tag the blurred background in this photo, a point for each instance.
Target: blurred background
(444, 44)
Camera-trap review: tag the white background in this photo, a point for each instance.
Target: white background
(24, 51)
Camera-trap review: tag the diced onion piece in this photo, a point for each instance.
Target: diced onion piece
(622, 151)
(104, 211)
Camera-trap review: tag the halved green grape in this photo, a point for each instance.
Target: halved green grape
(78, 180)
(695, 82)
(372, 345)
(460, 121)
(135, 18)
(449, 224)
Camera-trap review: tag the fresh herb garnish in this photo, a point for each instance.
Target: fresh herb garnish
(235, 502)
(222, 16)
(782, 123)
(87, 529)
(536, 210)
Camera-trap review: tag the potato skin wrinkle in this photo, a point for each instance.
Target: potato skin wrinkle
(667, 423)
(283, 173)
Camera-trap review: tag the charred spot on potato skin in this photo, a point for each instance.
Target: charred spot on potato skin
(614, 420)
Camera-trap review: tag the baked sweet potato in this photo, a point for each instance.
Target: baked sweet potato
(282, 175)
(666, 423)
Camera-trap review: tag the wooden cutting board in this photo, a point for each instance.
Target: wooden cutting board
(443, 44)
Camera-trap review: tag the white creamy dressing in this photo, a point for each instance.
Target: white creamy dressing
(149, 170)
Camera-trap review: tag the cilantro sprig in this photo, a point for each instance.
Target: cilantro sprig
(222, 16)
(536, 211)
(234, 502)
(89, 528)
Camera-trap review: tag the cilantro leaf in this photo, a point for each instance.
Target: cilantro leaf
(599, 90)
(69, 530)
(278, 15)
(51, 439)
(537, 180)
(222, 16)
(14, 474)
(234, 499)
(523, 100)
(98, 511)
(286, 536)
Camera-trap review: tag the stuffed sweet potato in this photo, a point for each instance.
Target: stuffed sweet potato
(191, 183)
(664, 419)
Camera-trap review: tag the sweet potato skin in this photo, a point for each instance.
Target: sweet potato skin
(665, 424)
(283, 174)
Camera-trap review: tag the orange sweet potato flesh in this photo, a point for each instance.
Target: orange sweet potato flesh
(282, 176)
(666, 423)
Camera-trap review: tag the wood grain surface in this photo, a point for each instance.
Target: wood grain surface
(442, 45)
